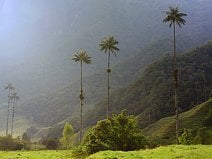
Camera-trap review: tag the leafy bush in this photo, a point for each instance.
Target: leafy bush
(121, 132)
(50, 144)
(79, 152)
(186, 137)
(7, 143)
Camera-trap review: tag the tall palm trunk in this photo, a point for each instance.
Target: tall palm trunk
(81, 103)
(8, 109)
(203, 74)
(175, 74)
(13, 115)
(108, 86)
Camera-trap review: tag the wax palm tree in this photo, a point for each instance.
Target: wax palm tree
(108, 45)
(174, 17)
(81, 57)
(10, 88)
(14, 98)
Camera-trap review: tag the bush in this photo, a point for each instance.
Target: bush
(7, 143)
(51, 144)
(121, 132)
(79, 152)
(186, 137)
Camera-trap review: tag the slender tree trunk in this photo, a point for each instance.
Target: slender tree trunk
(197, 94)
(8, 107)
(13, 115)
(203, 74)
(175, 87)
(108, 86)
(81, 104)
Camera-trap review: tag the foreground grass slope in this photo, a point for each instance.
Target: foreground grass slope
(61, 154)
(164, 152)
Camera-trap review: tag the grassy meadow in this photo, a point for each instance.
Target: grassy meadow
(163, 152)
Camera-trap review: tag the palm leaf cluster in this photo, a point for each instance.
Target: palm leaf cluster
(109, 45)
(82, 56)
(174, 16)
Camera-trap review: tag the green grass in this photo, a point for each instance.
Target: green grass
(164, 152)
(45, 154)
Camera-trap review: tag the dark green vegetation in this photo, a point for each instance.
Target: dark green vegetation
(151, 96)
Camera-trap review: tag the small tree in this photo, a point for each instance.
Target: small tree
(67, 136)
(26, 141)
(121, 132)
(186, 137)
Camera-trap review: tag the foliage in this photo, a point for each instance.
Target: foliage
(7, 143)
(50, 144)
(66, 139)
(186, 137)
(121, 132)
(79, 152)
(26, 141)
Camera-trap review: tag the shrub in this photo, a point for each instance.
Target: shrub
(7, 143)
(79, 152)
(121, 132)
(50, 144)
(186, 137)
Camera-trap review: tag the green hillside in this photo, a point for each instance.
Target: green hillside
(198, 117)
(150, 97)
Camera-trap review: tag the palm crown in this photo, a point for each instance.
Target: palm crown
(14, 96)
(174, 16)
(109, 44)
(82, 56)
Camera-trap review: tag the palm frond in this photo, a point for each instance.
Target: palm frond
(109, 45)
(174, 16)
(82, 56)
